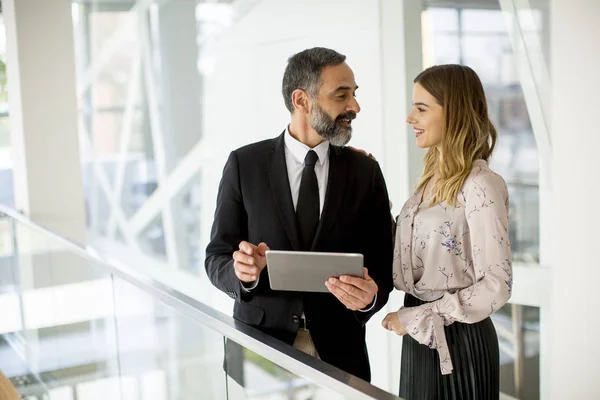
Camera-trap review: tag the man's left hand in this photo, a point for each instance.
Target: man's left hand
(355, 293)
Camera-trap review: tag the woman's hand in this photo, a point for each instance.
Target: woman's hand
(391, 322)
(362, 152)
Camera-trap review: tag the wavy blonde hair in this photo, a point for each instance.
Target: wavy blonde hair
(468, 133)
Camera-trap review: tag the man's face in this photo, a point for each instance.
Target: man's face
(335, 107)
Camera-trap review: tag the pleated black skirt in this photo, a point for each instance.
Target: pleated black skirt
(475, 358)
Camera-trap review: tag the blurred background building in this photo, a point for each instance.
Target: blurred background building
(116, 117)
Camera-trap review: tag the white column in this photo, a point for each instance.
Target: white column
(181, 128)
(575, 59)
(401, 62)
(180, 89)
(43, 114)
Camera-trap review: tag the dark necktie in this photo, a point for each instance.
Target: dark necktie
(308, 209)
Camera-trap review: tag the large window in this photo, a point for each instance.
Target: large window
(480, 39)
(168, 88)
(6, 175)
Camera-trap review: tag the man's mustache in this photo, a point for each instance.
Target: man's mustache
(347, 115)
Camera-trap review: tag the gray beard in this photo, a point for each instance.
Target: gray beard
(328, 128)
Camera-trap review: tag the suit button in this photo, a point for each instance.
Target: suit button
(295, 318)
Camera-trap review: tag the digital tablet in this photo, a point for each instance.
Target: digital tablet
(307, 271)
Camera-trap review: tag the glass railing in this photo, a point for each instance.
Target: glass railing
(78, 325)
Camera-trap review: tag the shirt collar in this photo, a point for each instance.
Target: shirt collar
(299, 149)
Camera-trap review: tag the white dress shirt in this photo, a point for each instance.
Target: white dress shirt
(295, 152)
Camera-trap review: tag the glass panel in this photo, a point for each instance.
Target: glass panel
(152, 239)
(96, 201)
(445, 49)
(518, 330)
(87, 334)
(190, 213)
(114, 112)
(482, 21)
(192, 111)
(443, 19)
(531, 20)
(180, 358)
(6, 175)
(485, 54)
(84, 332)
(60, 393)
(250, 376)
(138, 168)
(63, 327)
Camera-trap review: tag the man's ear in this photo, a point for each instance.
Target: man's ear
(300, 101)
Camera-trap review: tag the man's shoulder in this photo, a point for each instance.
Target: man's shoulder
(256, 147)
(253, 149)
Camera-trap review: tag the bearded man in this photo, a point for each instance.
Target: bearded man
(305, 191)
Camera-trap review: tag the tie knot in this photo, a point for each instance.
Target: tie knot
(311, 159)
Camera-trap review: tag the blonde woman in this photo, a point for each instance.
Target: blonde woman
(452, 256)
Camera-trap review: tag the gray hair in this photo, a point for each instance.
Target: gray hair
(304, 72)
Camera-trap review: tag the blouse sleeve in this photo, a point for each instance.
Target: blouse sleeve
(486, 211)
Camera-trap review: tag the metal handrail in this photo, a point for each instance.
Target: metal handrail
(287, 357)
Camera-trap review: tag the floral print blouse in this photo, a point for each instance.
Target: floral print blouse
(457, 258)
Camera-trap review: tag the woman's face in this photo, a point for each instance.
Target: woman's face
(426, 117)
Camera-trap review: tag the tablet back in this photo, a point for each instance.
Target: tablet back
(308, 271)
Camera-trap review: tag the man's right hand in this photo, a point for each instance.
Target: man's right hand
(249, 261)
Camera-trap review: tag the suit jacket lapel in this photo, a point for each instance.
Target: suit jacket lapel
(336, 185)
(280, 188)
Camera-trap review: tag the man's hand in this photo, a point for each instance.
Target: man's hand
(249, 261)
(355, 293)
(391, 322)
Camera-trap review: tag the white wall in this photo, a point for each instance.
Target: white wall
(576, 266)
(43, 114)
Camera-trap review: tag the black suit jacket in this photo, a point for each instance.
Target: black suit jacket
(254, 203)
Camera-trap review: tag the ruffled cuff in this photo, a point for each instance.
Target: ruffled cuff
(427, 328)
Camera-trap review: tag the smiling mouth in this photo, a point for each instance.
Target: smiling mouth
(345, 122)
(419, 132)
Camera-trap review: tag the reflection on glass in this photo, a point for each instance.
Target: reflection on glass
(63, 305)
(443, 19)
(250, 376)
(447, 48)
(6, 175)
(70, 330)
(83, 333)
(170, 356)
(485, 54)
(481, 22)
(152, 239)
(139, 97)
(518, 330)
